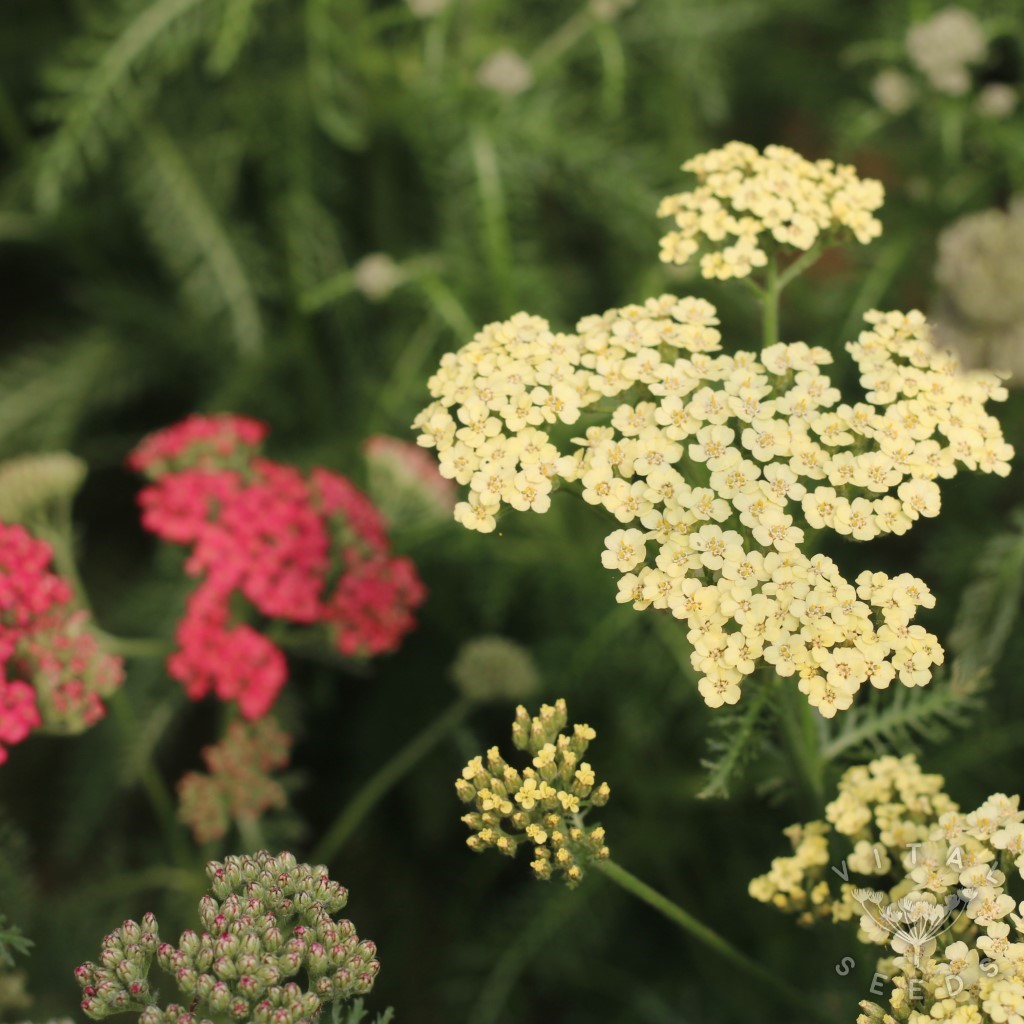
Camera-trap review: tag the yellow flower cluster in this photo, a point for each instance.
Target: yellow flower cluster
(715, 467)
(746, 204)
(936, 891)
(544, 805)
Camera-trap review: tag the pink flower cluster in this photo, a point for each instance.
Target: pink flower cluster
(267, 540)
(53, 673)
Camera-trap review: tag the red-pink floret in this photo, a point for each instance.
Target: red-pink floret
(303, 549)
(45, 641)
(414, 463)
(207, 442)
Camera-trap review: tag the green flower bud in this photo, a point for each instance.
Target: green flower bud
(31, 485)
(493, 668)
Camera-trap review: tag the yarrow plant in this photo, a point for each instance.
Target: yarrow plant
(719, 468)
(404, 482)
(271, 950)
(921, 875)
(979, 269)
(54, 675)
(267, 541)
(746, 205)
(545, 805)
(238, 785)
(32, 484)
(543, 808)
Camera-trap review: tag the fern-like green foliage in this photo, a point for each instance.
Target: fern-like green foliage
(334, 42)
(356, 1013)
(738, 739)
(11, 942)
(900, 719)
(235, 29)
(194, 241)
(991, 603)
(107, 77)
(47, 390)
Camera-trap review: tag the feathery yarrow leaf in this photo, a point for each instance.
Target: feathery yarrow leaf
(107, 77)
(991, 603)
(906, 718)
(194, 241)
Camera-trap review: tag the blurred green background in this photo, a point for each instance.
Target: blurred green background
(291, 209)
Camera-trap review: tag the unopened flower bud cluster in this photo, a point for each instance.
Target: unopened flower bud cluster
(31, 485)
(270, 951)
(493, 668)
(238, 785)
(543, 806)
(903, 851)
(717, 466)
(747, 204)
(404, 483)
(53, 673)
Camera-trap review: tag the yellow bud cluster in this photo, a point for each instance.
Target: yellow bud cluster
(747, 204)
(716, 467)
(545, 804)
(937, 890)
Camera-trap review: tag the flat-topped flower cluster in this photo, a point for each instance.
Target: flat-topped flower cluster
(309, 549)
(53, 673)
(920, 875)
(717, 466)
(747, 204)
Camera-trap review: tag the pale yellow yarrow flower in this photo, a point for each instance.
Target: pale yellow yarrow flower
(717, 466)
(950, 921)
(747, 204)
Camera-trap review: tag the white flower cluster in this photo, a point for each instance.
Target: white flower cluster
(715, 466)
(980, 269)
(938, 891)
(944, 47)
(747, 203)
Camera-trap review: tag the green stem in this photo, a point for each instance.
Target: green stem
(770, 305)
(495, 215)
(563, 39)
(251, 835)
(131, 646)
(447, 306)
(375, 788)
(800, 733)
(706, 936)
(159, 796)
(798, 266)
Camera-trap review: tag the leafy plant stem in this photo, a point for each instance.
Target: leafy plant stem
(386, 777)
(495, 215)
(770, 304)
(159, 796)
(706, 936)
(799, 730)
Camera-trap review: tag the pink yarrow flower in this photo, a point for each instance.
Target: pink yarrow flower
(198, 442)
(53, 673)
(305, 549)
